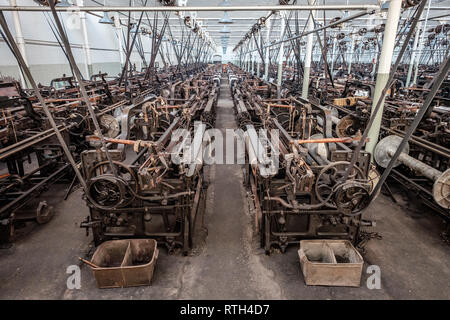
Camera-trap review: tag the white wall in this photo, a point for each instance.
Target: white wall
(47, 60)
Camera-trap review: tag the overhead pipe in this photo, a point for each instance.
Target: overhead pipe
(193, 8)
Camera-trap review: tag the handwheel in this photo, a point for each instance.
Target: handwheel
(352, 197)
(330, 177)
(105, 190)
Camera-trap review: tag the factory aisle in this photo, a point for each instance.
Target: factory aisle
(227, 268)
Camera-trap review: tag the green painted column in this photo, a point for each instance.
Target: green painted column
(384, 67)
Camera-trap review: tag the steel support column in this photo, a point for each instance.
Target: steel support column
(333, 53)
(281, 52)
(19, 40)
(119, 37)
(384, 67)
(413, 55)
(258, 66)
(352, 52)
(421, 43)
(252, 59)
(85, 45)
(308, 54)
(266, 57)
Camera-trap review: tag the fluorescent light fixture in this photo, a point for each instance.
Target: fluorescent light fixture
(63, 3)
(106, 19)
(225, 19)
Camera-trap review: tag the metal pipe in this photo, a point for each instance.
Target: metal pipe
(418, 166)
(328, 140)
(194, 8)
(437, 17)
(438, 149)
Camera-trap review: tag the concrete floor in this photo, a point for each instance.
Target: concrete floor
(227, 262)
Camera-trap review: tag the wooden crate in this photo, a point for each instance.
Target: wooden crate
(125, 263)
(330, 263)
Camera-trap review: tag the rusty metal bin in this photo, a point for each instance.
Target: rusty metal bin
(125, 263)
(330, 263)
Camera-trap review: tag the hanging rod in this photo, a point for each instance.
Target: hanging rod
(203, 8)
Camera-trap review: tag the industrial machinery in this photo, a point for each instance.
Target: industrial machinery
(298, 173)
(157, 188)
(428, 146)
(31, 156)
